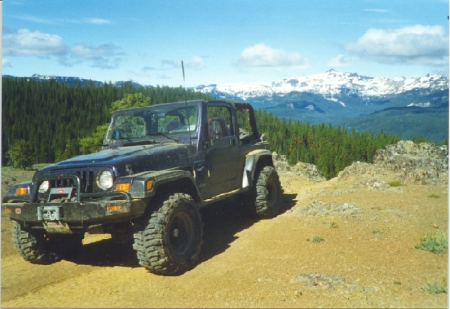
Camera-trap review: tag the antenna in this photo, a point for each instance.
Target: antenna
(185, 101)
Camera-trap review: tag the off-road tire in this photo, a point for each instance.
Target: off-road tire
(169, 242)
(266, 193)
(32, 245)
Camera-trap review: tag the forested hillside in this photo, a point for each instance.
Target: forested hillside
(53, 117)
(330, 149)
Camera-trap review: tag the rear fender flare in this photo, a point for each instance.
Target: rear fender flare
(252, 160)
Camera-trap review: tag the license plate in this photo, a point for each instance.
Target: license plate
(50, 213)
(57, 227)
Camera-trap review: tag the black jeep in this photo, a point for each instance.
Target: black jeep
(159, 165)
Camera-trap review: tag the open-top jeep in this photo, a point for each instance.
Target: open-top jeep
(159, 165)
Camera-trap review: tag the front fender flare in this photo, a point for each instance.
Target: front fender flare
(139, 181)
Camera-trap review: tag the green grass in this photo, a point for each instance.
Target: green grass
(395, 183)
(434, 196)
(334, 225)
(317, 239)
(436, 287)
(434, 242)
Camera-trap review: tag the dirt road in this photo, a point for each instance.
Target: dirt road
(334, 245)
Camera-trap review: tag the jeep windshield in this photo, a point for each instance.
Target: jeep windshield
(153, 124)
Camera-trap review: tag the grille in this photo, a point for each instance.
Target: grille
(87, 181)
(65, 179)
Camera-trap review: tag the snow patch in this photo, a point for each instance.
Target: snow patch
(427, 104)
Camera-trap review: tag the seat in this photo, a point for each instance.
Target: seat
(172, 125)
(217, 128)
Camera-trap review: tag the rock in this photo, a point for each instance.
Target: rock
(325, 281)
(307, 170)
(320, 209)
(423, 163)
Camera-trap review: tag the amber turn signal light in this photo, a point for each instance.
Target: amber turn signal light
(149, 185)
(7, 211)
(113, 208)
(21, 191)
(122, 186)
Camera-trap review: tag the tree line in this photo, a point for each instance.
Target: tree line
(51, 118)
(47, 121)
(330, 148)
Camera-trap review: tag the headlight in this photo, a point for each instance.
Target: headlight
(105, 180)
(44, 186)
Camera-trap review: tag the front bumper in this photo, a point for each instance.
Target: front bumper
(75, 214)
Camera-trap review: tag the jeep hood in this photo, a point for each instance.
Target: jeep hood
(138, 158)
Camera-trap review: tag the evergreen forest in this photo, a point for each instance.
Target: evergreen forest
(47, 121)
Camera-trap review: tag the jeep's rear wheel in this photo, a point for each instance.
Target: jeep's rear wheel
(170, 241)
(264, 198)
(32, 245)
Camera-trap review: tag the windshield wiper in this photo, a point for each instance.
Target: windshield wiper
(163, 134)
(136, 143)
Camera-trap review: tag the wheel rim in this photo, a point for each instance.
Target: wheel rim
(181, 233)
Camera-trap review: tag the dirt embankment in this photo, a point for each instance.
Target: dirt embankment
(346, 242)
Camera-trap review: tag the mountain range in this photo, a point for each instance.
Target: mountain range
(406, 106)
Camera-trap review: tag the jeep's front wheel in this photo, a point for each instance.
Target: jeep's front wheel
(32, 245)
(267, 193)
(169, 242)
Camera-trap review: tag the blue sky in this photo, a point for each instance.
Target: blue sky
(223, 40)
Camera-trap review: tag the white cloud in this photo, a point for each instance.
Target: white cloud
(97, 21)
(35, 19)
(93, 20)
(196, 63)
(377, 10)
(148, 68)
(27, 43)
(6, 63)
(103, 56)
(92, 52)
(261, 55)
(340, 61)
(421, 45)
(169, 64)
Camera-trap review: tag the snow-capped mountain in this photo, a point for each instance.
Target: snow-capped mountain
(351, 100)
(328, 84)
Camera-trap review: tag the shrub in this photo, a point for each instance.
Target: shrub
(317, 239)
(395, 183)
(434, 242)
(434, 196)
(436, 287)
